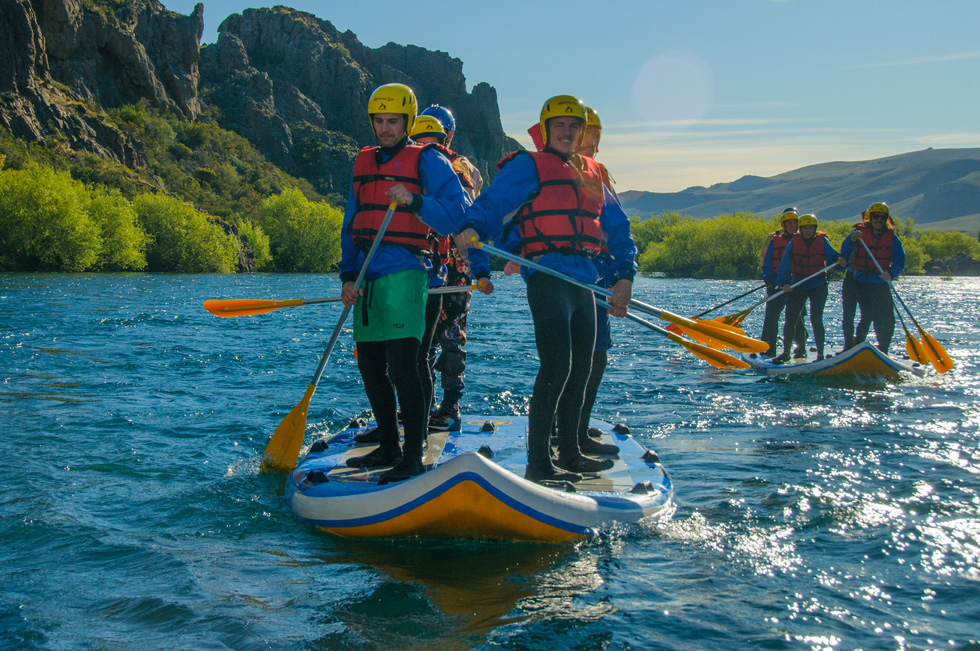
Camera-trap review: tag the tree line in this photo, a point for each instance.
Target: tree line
(731, 246)
(203, 200)
(50, 221)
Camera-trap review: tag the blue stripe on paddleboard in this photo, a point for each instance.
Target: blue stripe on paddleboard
(490, 488)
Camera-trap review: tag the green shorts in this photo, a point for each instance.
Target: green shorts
(392, 307)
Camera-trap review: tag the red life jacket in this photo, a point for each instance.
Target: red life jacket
(371, 180)
(808, 258)
(562, 215)
(881, 247)
(779, 242)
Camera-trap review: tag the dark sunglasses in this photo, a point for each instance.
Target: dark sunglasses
(879, 215)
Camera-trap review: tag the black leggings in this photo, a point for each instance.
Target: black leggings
(877, 307)
(386, 363)
(564, 333)
(600, 359)
(433, 310)
(796, 304)
(849, 301)
(770, 325)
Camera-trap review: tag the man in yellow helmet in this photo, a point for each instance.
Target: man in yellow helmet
(552, 206)
(807, 253)
(607, 278)
(872, 287)
(775, 246)
(428, 130)
(389, 327)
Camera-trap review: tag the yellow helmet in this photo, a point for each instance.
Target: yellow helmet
(560, 106)
(789, 213)
(394, 98)
(427, 125)
(592, 118)
(808, 220)
(878, 206)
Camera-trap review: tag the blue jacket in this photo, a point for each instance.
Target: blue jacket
(897, 266)
(493, 210)
(443, 206)
(783, 275)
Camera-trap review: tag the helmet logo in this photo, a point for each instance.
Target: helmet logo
(382, 106)
(569, 109)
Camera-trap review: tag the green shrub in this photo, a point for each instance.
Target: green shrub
(728, 246)
(182, 238)
(304, 235)
(123, 241)
(44, 225)
(256, 239)
(941, 245)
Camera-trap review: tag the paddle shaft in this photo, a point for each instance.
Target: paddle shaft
(730, 339)
(890, 283)
(500, 253)
(357, 286)
(793, 286)
(732, 300)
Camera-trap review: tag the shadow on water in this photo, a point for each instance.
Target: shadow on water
(438, 594)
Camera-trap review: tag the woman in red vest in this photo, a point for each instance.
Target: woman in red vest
(775, 248)
(807, 253)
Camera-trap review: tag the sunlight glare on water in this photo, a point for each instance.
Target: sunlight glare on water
(810, 513)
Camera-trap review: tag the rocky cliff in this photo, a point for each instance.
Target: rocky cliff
(298, 88)
(290, 83)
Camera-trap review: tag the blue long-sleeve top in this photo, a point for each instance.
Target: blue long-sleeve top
(443, 204)
(848, 249)
(783, 275)
(767, 274)
(497, 205)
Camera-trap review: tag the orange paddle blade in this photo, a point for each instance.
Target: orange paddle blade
(247, 307)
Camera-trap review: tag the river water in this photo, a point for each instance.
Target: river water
(810, 514)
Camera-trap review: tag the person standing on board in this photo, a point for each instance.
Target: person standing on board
(553, 203)
(469, 175)
(450, 335)
(389, 318)
(807, 253)
(775, 246)
(607, 278)
(428, 130)
(873, 291)
(848, 298)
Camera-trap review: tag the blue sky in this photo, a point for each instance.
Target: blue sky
(698, 92)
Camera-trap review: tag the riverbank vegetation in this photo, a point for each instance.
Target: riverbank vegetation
(731, 246)
(203, 200)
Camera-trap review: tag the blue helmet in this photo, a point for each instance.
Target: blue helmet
(444, 115)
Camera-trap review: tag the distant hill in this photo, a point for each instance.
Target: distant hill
(937, 188)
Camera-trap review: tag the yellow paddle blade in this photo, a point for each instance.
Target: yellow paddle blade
(914, 349)
(732, 319)
(247, 307)
(283, 449)
(716, 358)
(702, 338)
(728, 338)
(935, 352)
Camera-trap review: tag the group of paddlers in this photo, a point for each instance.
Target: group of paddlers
(416, 218)
(795, 264)
(555, 206)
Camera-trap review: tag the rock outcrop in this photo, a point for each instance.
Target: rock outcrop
(298, 88)
(62, 62)
(289, 82)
